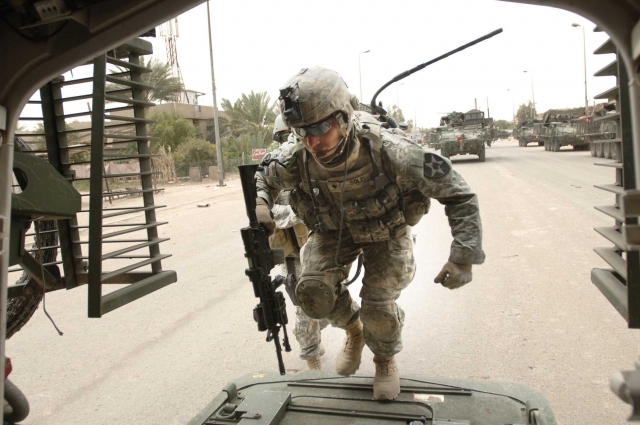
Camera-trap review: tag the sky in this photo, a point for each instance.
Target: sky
(258, 45)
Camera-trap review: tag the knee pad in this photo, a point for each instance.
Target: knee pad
(383, 319)
(316, 293)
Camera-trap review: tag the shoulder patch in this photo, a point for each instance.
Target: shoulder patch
(435, 166)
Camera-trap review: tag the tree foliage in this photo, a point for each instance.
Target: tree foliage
(526, 112)
(195, 151)
(172, 129)
(410, 126)
(396, 113)
(249, 126)
(503, 124)
(250, 113)
(166, 86)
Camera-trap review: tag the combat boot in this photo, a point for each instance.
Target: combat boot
(348, 360)
(386, 383)
(315, 363)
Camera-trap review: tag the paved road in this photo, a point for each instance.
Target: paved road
(530, 315)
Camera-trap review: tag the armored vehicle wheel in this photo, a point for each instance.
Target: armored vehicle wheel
(556, 146)
(546, 145)
(599, 150)
(617, 151)
(481, 154)
(607, 150)
(592, 147)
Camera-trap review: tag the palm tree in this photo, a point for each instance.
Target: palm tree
(252, 113)
(166, 86)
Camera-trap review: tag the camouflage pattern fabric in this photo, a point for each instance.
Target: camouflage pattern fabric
(406, 165)
(307, 333)
(389, 264)
(306, 330)
(389, 267)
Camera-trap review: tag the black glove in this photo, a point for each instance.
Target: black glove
(264, 216)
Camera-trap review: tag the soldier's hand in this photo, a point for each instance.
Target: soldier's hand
(454, 275)
(264, 216)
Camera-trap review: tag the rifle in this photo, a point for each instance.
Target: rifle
(271, 312)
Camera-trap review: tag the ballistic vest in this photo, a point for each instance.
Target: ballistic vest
(374, 207)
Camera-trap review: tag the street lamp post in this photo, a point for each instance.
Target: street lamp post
(215, 109)
(533, 96)
(513, 106)
(584, 51)
(360, 71)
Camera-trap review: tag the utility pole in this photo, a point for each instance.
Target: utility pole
(215, 108)
(584, 51)
(488, 114)
(533, 96)
(513, 107)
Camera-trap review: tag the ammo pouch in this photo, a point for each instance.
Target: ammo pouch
(381, 229)
(302, 206)
(377, 218)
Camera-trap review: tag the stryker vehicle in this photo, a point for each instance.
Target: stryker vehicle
(463, 133)
(559, 128)
(528, 132)
(99, 26)
(501, 134)
(600, 130)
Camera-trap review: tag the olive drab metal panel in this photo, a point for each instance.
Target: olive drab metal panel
(609, 133)
(113, 238)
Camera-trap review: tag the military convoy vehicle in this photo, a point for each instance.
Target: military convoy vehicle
(97, 27)
(528, 132)
(501, 134)
(600, 130)
(463, 133)
(559, 128)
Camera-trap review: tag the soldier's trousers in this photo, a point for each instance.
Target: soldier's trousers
(306, 330)
(389, 267)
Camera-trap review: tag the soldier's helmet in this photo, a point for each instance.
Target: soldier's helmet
(281, 130)
(315, 94)
(403, 126)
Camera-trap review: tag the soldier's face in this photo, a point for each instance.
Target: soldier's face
(323, 146)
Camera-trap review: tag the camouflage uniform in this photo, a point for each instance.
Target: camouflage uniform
(379, 210)
(290, 234)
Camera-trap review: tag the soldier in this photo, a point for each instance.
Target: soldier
(290, 235)
(360, 189)
(401, 130)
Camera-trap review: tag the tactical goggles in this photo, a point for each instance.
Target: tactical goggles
(318, 129)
